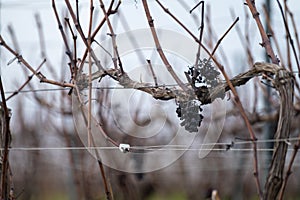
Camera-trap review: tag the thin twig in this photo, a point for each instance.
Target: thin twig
(79, 29)
(74, 68)
(60, 27)
(152, 72)
(248, 36)
(289, 169)
(76, 22)
(275, 40)
(13, 38)
(250, 56)
(68, 141)
(130, 35)
(26, 82)
(289, 37)
(42, 44)
(16, 45)
(42, 78)
(244, 39)
(41, 34)
(109, 12)
(11, 186)
(91, 142)
(83, 111)
(265, 39)
(288, 46)
(190, 33)
(90, 84)
(224, 35)
(200, 33)
(273, 36)
(198, 4)
(77, 12)
(90, 136)
(113, 38)
(297, 40)
(159, 48)
(212, 36)
(108, 193)
(295, 27)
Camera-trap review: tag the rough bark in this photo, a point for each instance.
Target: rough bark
(5, 139)
(284, 84)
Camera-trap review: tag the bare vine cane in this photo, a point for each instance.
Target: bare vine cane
(38, 74)
(289, 37)
(289, 169)
(159, 48)
(265, 39)
(283, 81)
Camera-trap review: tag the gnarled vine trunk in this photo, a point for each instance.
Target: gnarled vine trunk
(283, 83)
(5, 139)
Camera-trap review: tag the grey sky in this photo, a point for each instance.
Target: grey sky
(20, 14)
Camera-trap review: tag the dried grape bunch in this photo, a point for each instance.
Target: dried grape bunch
(203, 74)
(190, 114)
(202, 78)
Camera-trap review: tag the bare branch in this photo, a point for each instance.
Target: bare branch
(152, 72)
(273, 36)
(265, 39)
(201, 31)
(159, 48)
(224, 35)
(26, 82)
(113, 37)
(42, 78)
(289, 37)
(60, 27)
(289, 169)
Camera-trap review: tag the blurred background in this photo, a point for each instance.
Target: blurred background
(42, 123)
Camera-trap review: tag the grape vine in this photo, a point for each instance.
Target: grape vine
(202, 77)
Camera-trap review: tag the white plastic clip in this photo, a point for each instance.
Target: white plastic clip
(124, 148)
(287, 142)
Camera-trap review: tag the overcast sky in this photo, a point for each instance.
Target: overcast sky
(20, 15)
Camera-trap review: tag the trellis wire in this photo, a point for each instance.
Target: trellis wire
(203, 147)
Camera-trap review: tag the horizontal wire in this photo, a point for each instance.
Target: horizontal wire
(286, 140)
(168, 147)
(138, 148)
(37, 90)
(215, 149)
(58, 148)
